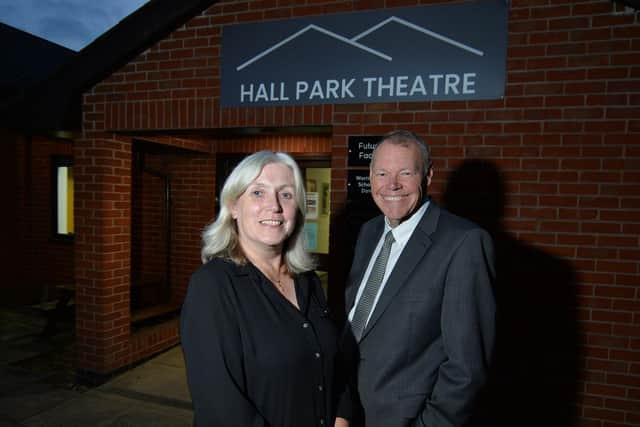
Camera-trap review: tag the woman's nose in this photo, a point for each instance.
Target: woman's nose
(274, 203)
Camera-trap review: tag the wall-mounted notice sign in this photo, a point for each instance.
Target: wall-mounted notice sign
(358, 185)
(446, 52)
(361, 149)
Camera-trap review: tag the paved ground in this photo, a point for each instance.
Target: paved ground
(37, 386)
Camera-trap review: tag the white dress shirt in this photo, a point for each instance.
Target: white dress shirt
(401, 234)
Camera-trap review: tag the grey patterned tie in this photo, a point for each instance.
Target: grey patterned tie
(370, 290)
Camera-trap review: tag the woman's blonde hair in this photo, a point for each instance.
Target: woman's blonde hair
(220, 238)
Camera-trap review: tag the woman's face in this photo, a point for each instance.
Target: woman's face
(266, 211)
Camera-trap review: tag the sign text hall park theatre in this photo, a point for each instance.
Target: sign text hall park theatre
(438, 52)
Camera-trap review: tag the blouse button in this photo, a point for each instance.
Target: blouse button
(321, 421)
(317, 355)
(305, 325)
(320, 388)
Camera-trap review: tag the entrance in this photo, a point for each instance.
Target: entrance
(150, 233)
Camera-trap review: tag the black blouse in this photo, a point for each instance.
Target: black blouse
(252, 358)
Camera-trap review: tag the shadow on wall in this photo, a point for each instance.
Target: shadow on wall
(534, 377)
(346, 224)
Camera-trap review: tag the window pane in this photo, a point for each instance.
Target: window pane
(318, 186)
(64, 200)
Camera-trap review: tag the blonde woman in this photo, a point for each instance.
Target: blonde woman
(258, 342)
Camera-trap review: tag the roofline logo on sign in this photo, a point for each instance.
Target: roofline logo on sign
(438, 52)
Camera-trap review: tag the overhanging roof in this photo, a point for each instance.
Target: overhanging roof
(55, 103)
(27, 59)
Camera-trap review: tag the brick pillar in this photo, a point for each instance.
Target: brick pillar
(102, 255)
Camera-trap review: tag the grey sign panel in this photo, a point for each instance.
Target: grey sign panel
(437, 52)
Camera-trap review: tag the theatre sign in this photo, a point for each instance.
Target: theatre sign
(438, 52)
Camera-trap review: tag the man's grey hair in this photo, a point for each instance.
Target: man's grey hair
(405, 138)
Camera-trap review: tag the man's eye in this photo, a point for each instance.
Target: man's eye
(380, 174)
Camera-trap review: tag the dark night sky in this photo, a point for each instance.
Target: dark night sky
(69, 23)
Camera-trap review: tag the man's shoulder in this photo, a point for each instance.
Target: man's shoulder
(453, 224)
(456, 220)
(438, 219)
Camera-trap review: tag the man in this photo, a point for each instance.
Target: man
(419, 342)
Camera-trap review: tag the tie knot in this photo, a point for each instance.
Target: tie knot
(388, 239)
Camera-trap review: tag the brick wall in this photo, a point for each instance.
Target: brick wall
(30, 251)
(102, 252)
(558, 157)
(103, 246)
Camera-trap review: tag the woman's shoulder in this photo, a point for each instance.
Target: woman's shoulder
(217, 264)
(216, 270)
(211, 290)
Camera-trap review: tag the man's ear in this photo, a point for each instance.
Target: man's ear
(429, 175)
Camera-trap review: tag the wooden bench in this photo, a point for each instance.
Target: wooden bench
(155, 311)
(65, 293)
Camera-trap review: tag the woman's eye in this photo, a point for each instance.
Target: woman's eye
(287, 196)
(257, 193)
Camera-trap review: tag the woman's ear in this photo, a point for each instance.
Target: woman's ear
(233, 209)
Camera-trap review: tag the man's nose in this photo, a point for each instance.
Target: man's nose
(394, 183)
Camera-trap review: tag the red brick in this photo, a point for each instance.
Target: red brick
(608, 341)
(604, 414)
(628, 279)
(614, 292)
(624, 380)
(627, 305)
(618, 241)
(605, 390)
(611, 316)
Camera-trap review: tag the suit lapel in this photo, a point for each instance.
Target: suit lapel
(413, 252)
(369, 243)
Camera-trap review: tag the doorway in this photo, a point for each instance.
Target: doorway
(150, 233)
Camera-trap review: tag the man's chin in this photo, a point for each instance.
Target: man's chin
(394, 216)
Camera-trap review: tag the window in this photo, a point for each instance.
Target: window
(63, 196)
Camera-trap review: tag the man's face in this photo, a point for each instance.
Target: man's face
(397, 181)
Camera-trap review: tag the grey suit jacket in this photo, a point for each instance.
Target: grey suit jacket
(425, 352)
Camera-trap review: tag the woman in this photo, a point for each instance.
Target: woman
(258, 342)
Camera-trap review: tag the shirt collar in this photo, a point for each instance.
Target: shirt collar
(403, 232)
